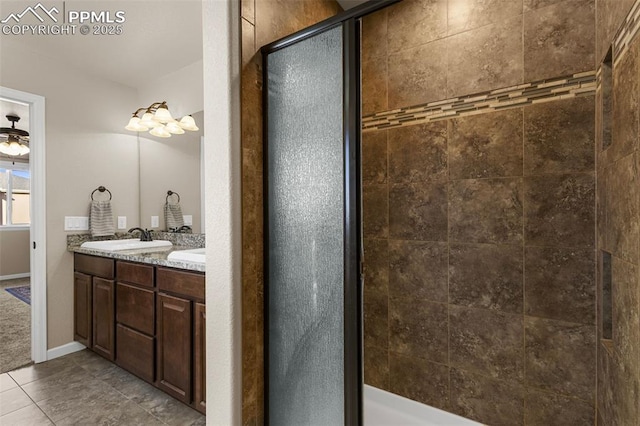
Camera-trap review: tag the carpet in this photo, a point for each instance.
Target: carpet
(23, 293)
(15, 327)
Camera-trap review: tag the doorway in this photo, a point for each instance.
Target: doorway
(37, 228)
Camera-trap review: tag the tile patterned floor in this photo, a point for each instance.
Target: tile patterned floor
(84, 389)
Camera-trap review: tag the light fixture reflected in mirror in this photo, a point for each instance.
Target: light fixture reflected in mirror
(16, 140)
(158, 118)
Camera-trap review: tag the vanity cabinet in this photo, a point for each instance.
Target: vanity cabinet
(94, 303)
(150, 320)
(199, 352)
(179, 295)
(135, 319)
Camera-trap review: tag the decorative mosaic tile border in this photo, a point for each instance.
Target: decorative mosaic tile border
(580, 84)
(628, 30)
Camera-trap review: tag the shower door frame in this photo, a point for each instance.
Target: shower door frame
(353, 250)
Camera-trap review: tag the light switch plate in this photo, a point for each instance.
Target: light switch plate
(155, 221)
(76, 223)
(122, 222)
(188, 219)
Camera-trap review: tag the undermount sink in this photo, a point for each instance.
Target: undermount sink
(191, 255)
(131, 244)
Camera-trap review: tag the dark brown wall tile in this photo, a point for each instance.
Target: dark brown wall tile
(486, 342)
(559, 210)
(559, 39)
(374, 85)
(418, 75)
(486, 58)
(420, 380)
(418, 270)
(624, 133)
(560, 284)
(604, 402)
(418, 153)
(486, 276)
(247, 10)
(374, 157)
(248, 41)
(537, 4)
(623, 208)
(548, 409)
(416, 22)
(418, 211)
(375, 201)
(610, 14)
(625, 392)
(374, 35)
(376, 314)
(376, 367)
(418, 328)
(486, 211)
(376, 265)
(251, 108)
(486, 145)
(560, 357)
(486, 400)
(559, 136)
(625, 314)
(466, 15)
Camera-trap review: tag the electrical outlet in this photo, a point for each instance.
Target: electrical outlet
(122, 222)
(188, 219)
(155, 221)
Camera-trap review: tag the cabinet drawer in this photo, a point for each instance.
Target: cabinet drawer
(135, 307)
(180, 282)
(135, 352)
(93, 265)
(135, 273)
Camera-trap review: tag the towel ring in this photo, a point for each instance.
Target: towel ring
(101, 189)
(169, 194)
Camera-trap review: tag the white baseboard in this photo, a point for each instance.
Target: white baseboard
(63, 350)
(14, 276)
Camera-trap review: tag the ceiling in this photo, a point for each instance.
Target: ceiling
(158, 37)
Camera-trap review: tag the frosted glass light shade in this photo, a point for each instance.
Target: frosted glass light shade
(174, 128)
(160, 132)
(135, 126)
(147, 120)
(163, 115)
(24, 149)
(4, 148)
(13, 148)
(188, 123)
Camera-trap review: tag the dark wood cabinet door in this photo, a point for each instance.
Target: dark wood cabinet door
(173, 329)
(82, 324)
(199, 346)
(135, 352)
(103, 317)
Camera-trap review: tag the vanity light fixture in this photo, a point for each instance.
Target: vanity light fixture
(158, 120)
(17, 140)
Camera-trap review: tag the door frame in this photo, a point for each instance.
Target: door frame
(37, 228)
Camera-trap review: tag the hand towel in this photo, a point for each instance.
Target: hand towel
(101, 219)
(173, 216)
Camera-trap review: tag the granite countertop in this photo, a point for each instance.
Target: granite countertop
(153, 256)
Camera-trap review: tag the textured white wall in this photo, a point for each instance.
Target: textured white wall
(221, 45)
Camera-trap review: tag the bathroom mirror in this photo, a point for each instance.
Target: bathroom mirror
(172, 164)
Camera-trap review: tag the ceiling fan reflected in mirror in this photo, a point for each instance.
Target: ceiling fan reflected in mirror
(14, 142)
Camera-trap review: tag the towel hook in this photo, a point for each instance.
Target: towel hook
(101, 189)
(169, 194)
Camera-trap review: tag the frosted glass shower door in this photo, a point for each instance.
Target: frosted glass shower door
(312, 310)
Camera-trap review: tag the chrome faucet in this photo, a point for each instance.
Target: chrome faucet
(145, 234)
